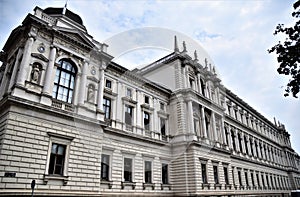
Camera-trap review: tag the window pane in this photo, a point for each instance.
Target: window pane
(203, 170)
(64, 81)
(128, 169)
(162, 127)
(54, 148)
(148, 171)
(105, 167)
(106, 107)
(164, 172)
(216, 178)
(61, 150)
(146, 121)
(57, 159)
(108, 83)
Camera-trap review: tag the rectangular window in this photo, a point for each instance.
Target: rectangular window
(57, 159)
(106, 107)
(233, 180)
(226, 175)
(129, 92)
(162, 106)
(267, 179)
(164, 174)
(203, 170)
(128, 114)
(246, 178)
(162, 127)
(263, 180)
(216, 176)
(108, 83)
(105, 167)
(148, 171)
(257, 178)
(127, 169)
(240, 177)
(147, 99)
(252, 179)
(246, 145)
(233, 140)
(146, 121)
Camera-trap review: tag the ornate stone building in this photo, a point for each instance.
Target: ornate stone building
(79, 124)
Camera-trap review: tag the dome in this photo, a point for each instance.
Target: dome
(59, 11)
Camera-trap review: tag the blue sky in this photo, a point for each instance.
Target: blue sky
(235, 33)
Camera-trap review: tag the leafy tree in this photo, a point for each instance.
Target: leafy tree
(288, 53)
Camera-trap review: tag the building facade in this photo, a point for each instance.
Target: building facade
(79, 124)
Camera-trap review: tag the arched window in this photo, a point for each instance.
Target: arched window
(64, 81)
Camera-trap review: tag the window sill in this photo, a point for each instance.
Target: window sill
(62, 105)
(205, 186)
(129, 100)
(64, 179)
(128, 184)
(227, 186)
(218, 185)
(147, 185)
(108, 183)
(163, 186)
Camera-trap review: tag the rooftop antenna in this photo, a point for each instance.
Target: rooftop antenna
(195, 56)
(275, 122)
(65, 8)
(184, 46)
(176, 49)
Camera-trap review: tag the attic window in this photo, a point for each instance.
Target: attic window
(147, 99)
(108, 83)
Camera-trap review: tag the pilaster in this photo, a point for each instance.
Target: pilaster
(46, 93)
(24, 66)
(82, 88)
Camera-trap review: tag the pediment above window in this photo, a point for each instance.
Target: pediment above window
(76, 36)
(39, 56)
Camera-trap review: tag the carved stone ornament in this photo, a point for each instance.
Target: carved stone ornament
(41, 48)
(93, 70)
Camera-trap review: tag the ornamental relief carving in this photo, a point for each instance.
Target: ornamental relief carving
(71, 46)
(45, 36)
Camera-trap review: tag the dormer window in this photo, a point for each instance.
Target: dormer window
(108, 83)
(162, 106)
(129, 92)
(147, 99)
(64, 82)
(146, 121)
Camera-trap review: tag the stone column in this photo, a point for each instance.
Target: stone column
(191, 116)
(24, 66)
(223, 131)
(100, 90)
(48, 81)
(237, 143)
(82, 87)
(229, 138)
(203, 122)
(155, 117)
(138, 110)
(214, 126)
(184, 78)
(12, 80)
(199, 83)
(255, 148)
(243, 143)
